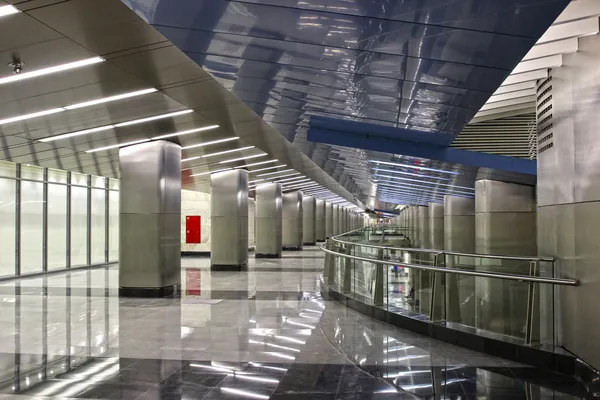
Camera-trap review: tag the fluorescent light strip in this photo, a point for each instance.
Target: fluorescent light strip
(284, 176)
(243, 158)
(259, 163)
(415, 167)
(392, 171)
(256, 180)
(191, 159)
(295, 179)
(424, 189)
(278, 172)
(31, 115)
(8, 10)
(410, 193)
(117, 145)
(210, 143)
(111, 98)
(264, 169)
(227, 151)
(78, 133)
(244, 393)
(211, 172)
(106, 127)
(154, 118)
(49, 70)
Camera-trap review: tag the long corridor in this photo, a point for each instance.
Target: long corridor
(265, 333)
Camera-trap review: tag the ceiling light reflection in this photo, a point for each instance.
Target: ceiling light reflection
(48, 70)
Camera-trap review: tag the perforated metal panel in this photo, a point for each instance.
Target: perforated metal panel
(545, 115)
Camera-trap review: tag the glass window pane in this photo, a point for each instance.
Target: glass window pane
(57, 226)
(113, 184)
(98, 181)
(113, 225)
(32, 222)
(79, 179)
(8, 168)
(32, 172)
(57, 176)
(79, 228)
(7, 226)
(98, 226)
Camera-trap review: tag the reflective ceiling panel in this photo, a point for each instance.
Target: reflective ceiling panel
(425, 65)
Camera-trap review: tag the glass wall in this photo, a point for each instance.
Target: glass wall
(52, 219)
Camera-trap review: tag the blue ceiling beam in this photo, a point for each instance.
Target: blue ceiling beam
(409, 143)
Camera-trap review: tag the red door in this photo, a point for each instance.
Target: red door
(192, 229)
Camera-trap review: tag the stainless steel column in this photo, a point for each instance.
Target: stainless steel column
(340, 220)
(422, 279)
(309, 220)
(459, 236)
(505, 223)
(229, 219)
(268, 221)
(436, 226)
(150, 219)
(292, 221)
(321, 228)
(335, 219)
(329, 224)
(423, 227)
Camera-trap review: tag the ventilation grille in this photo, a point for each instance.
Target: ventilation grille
(508, 136)
(545, 125)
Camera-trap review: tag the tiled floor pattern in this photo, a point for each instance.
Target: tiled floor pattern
(264, 333)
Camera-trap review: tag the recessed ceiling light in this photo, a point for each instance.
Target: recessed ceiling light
(204, 128)
(31, 115)
(209, 143)
(8, 10)
(212, 172)
(77, 133)
(111, 98)
(243, 158)
(49, 70)
(259, 163)
(154, 118)
(117, 145)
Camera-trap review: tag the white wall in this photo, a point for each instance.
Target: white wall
(197, 203)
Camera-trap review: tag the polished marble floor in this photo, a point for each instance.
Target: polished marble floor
(264, 333)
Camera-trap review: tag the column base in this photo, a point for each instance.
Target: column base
(263, 255)
(229, 267)
(167, 291)
(309, 243)
(293, 248)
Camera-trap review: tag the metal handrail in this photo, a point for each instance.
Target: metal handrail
(437, 251)
(512, 277)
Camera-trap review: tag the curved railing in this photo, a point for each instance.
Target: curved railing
(511, 298)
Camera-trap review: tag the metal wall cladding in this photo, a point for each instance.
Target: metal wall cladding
(154, 170)
(454, 205)
(569, 194)
(269, 213)
(321, 220)
(229, 218)
(309, 220)
(150, 215)
(494, 196)
(292, 220)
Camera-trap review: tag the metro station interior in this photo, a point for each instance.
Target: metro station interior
(299, 199)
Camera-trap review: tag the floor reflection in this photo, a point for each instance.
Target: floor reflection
(261, 334)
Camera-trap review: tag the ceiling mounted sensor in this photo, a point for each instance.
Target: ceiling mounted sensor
(45, 71)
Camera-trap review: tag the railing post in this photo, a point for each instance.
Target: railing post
(437, 291)
(533, 267)
(379, 281)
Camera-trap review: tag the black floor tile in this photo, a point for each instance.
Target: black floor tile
(115, 391)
